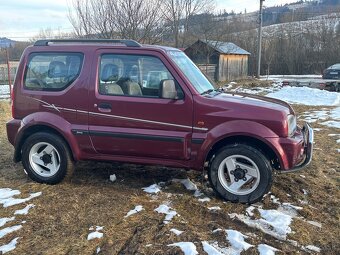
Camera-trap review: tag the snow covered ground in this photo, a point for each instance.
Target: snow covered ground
(307, 96)
(4, 91)
(284, 77)
(8, 198)
(276, 222)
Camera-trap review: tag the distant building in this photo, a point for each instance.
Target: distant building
(221, 61)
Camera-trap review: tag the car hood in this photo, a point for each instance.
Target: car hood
(255, 100)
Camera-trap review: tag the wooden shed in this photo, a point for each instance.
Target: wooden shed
(221, 61)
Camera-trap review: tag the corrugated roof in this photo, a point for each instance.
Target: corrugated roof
(226, 47)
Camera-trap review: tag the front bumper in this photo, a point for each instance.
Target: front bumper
(308, 135)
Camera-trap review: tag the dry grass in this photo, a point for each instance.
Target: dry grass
(247, 83)
(63, 214)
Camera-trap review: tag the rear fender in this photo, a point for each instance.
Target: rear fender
(37, 121)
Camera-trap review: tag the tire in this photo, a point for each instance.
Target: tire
(240, 173)
(46, 158)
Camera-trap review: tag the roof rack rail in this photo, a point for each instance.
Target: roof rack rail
(128, 43)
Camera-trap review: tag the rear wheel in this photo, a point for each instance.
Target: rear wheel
(46, 158)
(240, 173)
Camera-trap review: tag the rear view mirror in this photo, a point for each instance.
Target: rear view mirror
(168, 89)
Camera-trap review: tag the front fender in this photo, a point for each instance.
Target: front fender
(234, 128)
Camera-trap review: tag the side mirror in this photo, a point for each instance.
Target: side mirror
(168, 89)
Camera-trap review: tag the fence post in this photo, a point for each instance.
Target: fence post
(9, 75)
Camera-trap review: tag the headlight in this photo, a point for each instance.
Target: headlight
(291, 124)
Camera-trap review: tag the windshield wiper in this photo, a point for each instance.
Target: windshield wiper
(207, 91)
(219, 90)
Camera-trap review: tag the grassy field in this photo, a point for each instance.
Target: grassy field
(60, 221)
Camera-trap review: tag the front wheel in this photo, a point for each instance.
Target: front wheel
(240, 173)
(46, 158)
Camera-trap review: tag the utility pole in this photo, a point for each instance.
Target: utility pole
(259, 41)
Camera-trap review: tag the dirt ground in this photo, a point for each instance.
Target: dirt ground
(60, 221)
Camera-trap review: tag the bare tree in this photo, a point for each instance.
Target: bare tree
(179, 12)
(138, 19)
(49, 33)
(132, 19)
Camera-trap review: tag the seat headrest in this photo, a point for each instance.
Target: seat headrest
(110, 72)
(57, 69)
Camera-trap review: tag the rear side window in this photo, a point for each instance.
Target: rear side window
(52, 71)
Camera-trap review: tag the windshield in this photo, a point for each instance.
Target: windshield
(191, 71)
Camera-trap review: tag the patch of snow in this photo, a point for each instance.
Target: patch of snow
(275, 200)
(187, 247)
(214, 208)
(205, 199)
(9, 247)
(289, 205)
(99, 228)
(334, 135)
(167, 211)
(198, 193)
(176, 231)
(98, 250)
(3, 221)
(257, 90)
(335, 113)
(265, 249)
(228, 86)
(7, 193)
(305, 76)
(338, 141)
(210, 249)
(148, 245)
(25, 210)
(315, 116)
(137, 209)
(8, 230)
(236, 239)
(217, 230)
(113, 178)
(279, 221)
(95, 234)
(213, 248)
(152, 189)
(273, 222)
(314, 223)
(302, 176)
(250, 210)
(188, 184)
(331, 123)
(306, 96)
(9, 201)
(313, 248)
(237, 244)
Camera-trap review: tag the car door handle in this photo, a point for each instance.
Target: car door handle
(104, 107)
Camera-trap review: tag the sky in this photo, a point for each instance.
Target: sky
(23, 19)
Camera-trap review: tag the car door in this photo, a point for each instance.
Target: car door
(128, 117)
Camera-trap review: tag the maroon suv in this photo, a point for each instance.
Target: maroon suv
(117, 100)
